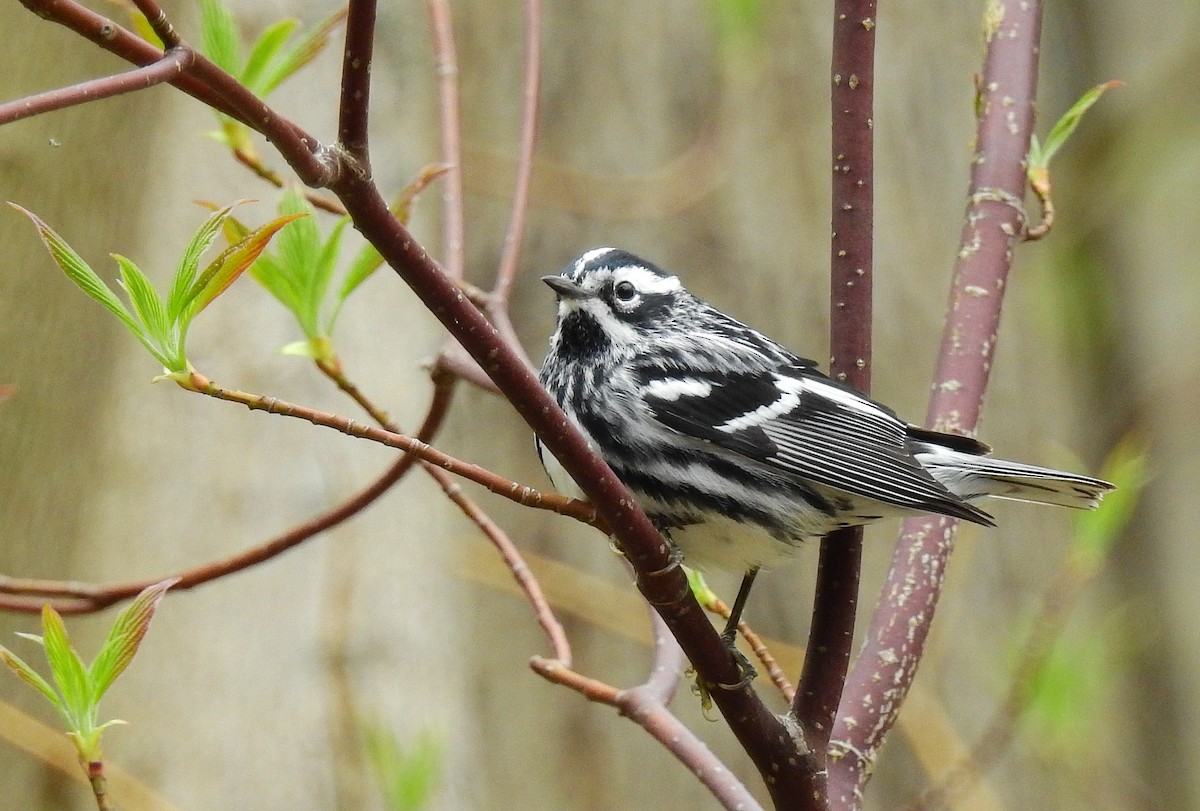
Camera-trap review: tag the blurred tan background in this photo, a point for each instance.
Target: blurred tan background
(702, 147)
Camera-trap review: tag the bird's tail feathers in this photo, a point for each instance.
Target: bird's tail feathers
(970, 476)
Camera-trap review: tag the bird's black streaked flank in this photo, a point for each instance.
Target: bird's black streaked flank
(736, 447)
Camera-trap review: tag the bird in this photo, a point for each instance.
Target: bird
(737, 449)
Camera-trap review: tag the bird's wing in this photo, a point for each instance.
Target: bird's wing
(797, 421)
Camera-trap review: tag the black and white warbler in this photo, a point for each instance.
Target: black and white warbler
(736, 448)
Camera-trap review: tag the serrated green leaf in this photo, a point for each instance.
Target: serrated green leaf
(147, 304)
(226, 268)
(1065, 126)
(124, 638)
(297, 251)
(264, 52)
(301, 53)
(326, 262)
(185, 272)
(31, 677)
(219, 36)
(67, 668)
(79, 272)
(268, 272)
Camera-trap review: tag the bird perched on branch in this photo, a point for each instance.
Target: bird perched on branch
(737, 449)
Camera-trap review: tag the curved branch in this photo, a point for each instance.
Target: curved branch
(84, 598)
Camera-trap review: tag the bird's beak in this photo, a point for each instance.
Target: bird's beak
(564, 288)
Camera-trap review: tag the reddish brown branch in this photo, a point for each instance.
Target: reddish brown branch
(204, 81)
(895, 640)
(645, 705)
(835, 604)
(171, 66)
(83, 598)
(355, 101)
(159, 24)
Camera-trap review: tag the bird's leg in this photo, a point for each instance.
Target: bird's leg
(739, 605)
(729, 635)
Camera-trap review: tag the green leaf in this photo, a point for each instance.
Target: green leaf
(297, 251)
(264, 52)
(67, 669)
(368, 259)
(124, 638)
(79, 272)
(300, 54)
(219, 36)
(226, 268)
(268, 272)
(185, 273)
(364, 265)
(407, 776)
(1097, 530)
(30, 676)
(147, 304)
(1040, 155)
(325, 264)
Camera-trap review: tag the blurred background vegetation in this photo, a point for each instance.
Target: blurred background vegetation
(695, 134)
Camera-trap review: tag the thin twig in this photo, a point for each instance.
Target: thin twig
(203, 80)
(157, 18)
(86, 597)
(521, 494)
(506, 273)
(81, 598)
(446, 57)
(173, 63)
(254, 164)
(645, 705)
(560, 647)
(994, 222)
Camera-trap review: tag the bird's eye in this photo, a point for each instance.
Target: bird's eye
(625, 291)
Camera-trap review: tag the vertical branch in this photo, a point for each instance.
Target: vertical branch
(448, 96)
(994, 221)
(507, 271)
(354, 104)
(852, 102)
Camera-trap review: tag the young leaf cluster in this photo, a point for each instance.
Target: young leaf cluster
(280, 51)
(1041, 154)
(77, 688)
(161, 325)
(299, 272)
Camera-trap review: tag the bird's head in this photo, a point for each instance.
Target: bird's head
(609, 299)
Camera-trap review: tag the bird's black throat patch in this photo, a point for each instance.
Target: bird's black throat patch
(580, 335)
